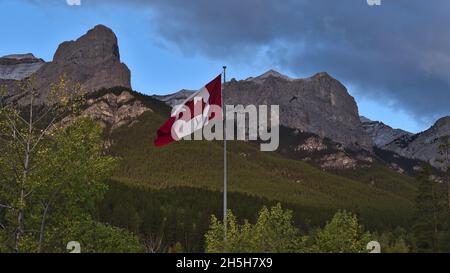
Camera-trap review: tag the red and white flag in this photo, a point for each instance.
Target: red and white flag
(195, 113)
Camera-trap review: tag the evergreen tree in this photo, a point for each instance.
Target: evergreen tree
(427, 218)
(444, 150)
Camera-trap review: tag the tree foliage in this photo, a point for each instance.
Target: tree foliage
(343, 234)
(52, 174)
(431, 216)
(274, 232)
(444, 151)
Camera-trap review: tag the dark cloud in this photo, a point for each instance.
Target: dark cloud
(399, 51)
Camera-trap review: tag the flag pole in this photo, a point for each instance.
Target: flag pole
(225, 184)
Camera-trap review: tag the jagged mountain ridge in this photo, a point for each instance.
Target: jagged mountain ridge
(175, 98)
(319, 105)
(423, 146)
(381, 133)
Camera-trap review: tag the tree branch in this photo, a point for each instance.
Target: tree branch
(6, 207)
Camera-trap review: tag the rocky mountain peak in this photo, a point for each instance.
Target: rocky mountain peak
(98, 43)
(26, 56)
(269, 74)
(319, 105)
(381, 133)
(443, 124)
(19, 66)
(322, 75)
(424, 145)
(175, 98)
(93, 60)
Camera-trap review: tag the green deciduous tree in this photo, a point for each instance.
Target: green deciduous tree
(343, 234)
(25, 127)
(94, 237)
(273, 232)
(53, 175)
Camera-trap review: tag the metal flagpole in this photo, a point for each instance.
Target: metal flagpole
(225, 185)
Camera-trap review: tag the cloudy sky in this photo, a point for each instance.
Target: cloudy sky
(393, 58)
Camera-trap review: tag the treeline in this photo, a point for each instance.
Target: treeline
(275, 231)
(431, 226)
(177, 219)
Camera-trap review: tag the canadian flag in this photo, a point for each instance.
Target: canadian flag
(195, 113)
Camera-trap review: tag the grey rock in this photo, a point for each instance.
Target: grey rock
(19, 66)
(93, 60)
(319, 104)
(381, 133)
(175, 98)
(364, 119)
(422, 146)
(112, 111)
(270, 73)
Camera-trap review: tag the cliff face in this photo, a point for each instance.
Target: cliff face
(319, 105)
(423, 146)
(93, 60)
(19, 66)
(381, 133)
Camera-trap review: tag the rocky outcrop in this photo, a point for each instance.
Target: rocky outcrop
(382, 134)
(175, 98)
(338, 161)
(423, 146)
(319, 105)
(312, 144)
(14, 68)
(93, 60)
(112, 111)
(270, 73)
(19, 66)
